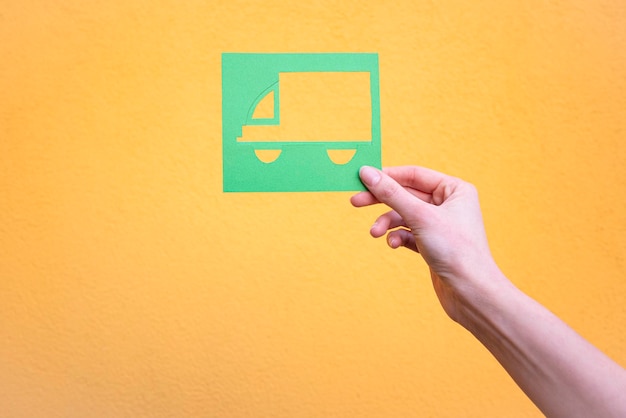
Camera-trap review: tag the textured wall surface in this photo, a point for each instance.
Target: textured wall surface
(131, 286)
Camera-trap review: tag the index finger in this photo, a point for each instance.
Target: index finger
(366, 198)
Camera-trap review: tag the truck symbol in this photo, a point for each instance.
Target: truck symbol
(299, 122)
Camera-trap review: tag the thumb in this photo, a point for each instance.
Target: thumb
(388, 191)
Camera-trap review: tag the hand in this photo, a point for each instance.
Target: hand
(438, 216)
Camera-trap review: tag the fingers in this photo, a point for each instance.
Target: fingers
(402, 238)
(419, 178)
(396, 238)
(386, 190)
(363, 199)
(419, 181)
(385, 222)
(367, 199)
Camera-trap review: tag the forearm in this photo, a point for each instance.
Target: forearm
(562, 373)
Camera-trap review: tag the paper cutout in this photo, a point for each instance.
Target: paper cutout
(299, 122)
(265, 107)
(341, 156)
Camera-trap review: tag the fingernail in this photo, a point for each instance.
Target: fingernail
(369, 175)
(393, 242)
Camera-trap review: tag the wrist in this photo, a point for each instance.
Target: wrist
(480, 297)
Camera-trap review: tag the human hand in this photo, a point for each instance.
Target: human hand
(438, 216)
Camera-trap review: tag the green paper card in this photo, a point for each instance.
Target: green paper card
(299, 122)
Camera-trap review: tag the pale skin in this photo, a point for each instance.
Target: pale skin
(439, 217)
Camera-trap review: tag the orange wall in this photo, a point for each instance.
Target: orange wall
(130, 285)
